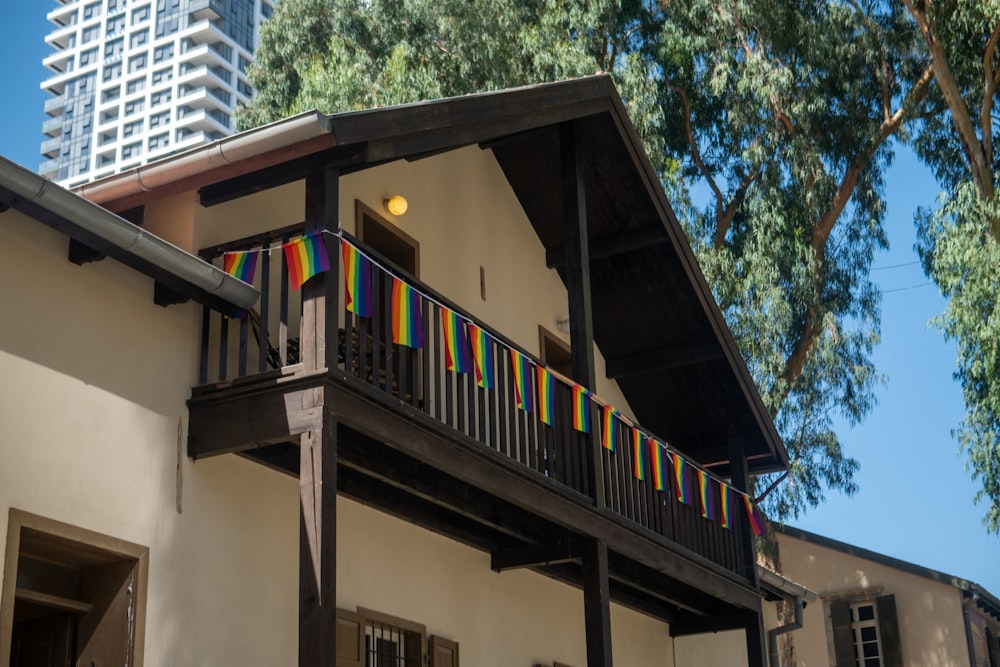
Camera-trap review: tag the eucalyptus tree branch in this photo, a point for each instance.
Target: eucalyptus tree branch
(989, 89)
(696, 154)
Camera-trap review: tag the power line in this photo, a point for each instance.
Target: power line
(895, 266)
(903, 289)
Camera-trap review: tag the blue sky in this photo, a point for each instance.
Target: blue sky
(915, 501)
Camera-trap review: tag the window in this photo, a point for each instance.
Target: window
(160, 97)
(114, 26)
(159, 119)
(555, 353)
(112, 71)
(163, 75)
(137, 39)
(93, 9)
(113, 49)
(140, 14)
(111, 94)
(372, 639)
(865, 632)
(63, 581)
(87, 57)
(90, 34)
(244, 88)
(132, 128)
(159, 141)
(162, 53)
(134, 107)
(131, 150)
(135, 85)
(136, 63)
(244, 64)
(265, 10)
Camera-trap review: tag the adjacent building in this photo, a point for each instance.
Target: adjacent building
(135, 80)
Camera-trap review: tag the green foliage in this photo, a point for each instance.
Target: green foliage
(768, 120)
(963, 258)
(958, 242)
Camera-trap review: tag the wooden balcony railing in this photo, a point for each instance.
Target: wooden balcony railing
(267, 338)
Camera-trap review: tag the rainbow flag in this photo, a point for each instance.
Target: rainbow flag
(656, 460)
(581, 409)
(306, 257)
(522, 380)
(357, 280)
(407, 320)
(638, 455)
(725, 508)
(705, 488)
(757, 522)
(456, 344)
(684, 492)
(240, 265)
(546, 395)
(482, 356)
(609, 430)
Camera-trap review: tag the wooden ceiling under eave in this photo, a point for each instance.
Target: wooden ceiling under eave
(651, 321)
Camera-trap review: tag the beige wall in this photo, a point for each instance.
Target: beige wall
(931, 626)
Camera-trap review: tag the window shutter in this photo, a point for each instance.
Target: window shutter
(443, 652)
(350, 646)
(994, 643)
(843, 637)
(888, 630)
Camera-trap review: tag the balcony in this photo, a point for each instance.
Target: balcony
(414, 425)
(52, 126)
(50, 147)
(49, 168)
(207, 9)
(54, 105)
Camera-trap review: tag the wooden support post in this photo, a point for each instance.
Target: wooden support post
(597, 602)
(756, 646)
(319, 343)
(739, 476)
(577, 277)
(318, 543)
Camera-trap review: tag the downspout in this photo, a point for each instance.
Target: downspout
(798, 594)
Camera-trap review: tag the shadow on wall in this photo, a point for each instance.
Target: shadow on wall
(96, 323)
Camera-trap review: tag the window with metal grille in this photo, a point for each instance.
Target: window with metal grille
(392, 642)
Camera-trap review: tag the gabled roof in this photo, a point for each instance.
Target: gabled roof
(655, 320)
(982, 597)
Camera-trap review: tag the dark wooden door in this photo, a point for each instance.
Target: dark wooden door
(43, 642)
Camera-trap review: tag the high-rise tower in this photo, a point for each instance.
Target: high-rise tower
(134, 80)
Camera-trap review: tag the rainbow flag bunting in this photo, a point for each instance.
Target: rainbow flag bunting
(725, 508)
(609, 430)
(407, 320)
(306, 257)
(757, 522)
(546, 395)
(684, 492)
(581, 409)
(357, 280)
(656, 463)
(522, 380)
(240, 265)
(705, 489)
(482, 356)
(638, 455)
(456, 344)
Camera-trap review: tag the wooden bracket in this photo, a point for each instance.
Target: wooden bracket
(166, 296)
(81, 253)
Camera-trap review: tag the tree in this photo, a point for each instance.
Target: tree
(958, 242)
(782, 111)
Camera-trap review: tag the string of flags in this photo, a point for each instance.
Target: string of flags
(468, 350)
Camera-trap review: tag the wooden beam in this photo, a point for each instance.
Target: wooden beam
(320, 294)
(662, 359)
(739, 477)
(577, 278)
(536, 556)
(686, 624)
(81, 254)
(253, 416)
(756, 646)
(597, 602)
(610, 246)
(318, 543)
(274, 176)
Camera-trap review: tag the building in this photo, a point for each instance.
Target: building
(291, 481)
(890, 612)
(135, 80)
